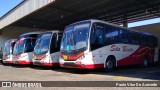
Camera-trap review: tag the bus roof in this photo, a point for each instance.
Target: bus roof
(31, 33)
(54, 31)
(94, 20)
(12, 40)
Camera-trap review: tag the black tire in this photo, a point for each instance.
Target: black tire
(110, 64)
(4, 64)
(1, 62)
(145, 62)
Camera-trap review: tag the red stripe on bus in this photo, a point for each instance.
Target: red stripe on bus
(138, 56)
(23, 62)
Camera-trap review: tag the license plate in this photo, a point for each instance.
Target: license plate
(65, 57)
(37, 63)
(16, 62)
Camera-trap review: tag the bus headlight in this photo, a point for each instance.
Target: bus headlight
(35, 57)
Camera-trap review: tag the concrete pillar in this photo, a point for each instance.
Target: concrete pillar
(125, 23)
(0, 32)
(0, 40)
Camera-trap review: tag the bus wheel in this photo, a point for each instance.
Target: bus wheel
(145, 62)
(110, 64)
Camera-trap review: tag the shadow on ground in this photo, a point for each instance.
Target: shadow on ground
(152, 72)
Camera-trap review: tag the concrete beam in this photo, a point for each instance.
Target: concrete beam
(22, 10)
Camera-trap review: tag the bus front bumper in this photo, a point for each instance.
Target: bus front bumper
(81, 66)
(41, 63)
(22, 62)
(7, 62)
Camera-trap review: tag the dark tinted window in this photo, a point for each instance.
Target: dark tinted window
(55, 43)
(135, 37)
(13, 44)
(150, 41)
(155, 42)
(125, 36)
(111, 35)
(97, 36)
(103, 34)
(30, 43)
(143, 40)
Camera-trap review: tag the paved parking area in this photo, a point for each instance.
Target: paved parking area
(34, 73)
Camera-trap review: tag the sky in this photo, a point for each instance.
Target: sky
(145, 22)
(6, 5)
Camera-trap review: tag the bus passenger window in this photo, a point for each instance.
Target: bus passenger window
(125, 38)
(97, 37)
(111, 35)
(135, 37)
(144, 39)
(55, 43)
(93, 35)
(30, 43)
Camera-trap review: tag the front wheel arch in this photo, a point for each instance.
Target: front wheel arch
(112, 60)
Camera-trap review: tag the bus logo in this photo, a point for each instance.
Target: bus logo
(114, 48)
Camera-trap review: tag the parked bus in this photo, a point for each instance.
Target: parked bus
(46, 51)
(94, 44)
(23, 49)
(1, 56)
(8, 51)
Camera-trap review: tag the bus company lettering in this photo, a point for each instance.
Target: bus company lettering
(125, 48)
(114, 48)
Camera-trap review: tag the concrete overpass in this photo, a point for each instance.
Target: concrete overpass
(35, 15)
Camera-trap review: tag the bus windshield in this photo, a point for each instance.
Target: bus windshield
(18, 48)
(75, 37)
(7, 48)
(24, 46)
(42, 43)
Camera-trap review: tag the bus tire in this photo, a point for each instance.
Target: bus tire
(1, 62)
(110, 64)
(4, 64)
(145, 62)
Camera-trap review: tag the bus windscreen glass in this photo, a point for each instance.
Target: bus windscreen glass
(75, 38)
(42, 43)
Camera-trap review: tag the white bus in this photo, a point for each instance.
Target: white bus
(8, 51)
(94, 44)
(46, 51)
(23, 49)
